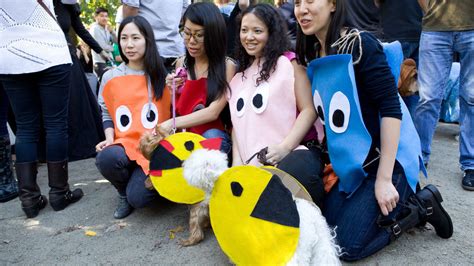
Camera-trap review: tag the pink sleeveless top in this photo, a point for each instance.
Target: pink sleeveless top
(262, 115)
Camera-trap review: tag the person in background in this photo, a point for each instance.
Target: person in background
(364, 15)
(225, 6)
(36, 80)
(285, 7)
(165, 19)
(445, 33)
(8, 183)
(231, 24)
(118, 18)
(105, 36)
(401, 21)
(84, 123)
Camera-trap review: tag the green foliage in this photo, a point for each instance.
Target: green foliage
(88, 8)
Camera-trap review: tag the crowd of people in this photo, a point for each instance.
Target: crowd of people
(250, 74)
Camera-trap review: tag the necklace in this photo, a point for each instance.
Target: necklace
(200, 73)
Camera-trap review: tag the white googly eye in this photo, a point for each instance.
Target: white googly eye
(123, 118)
(260, 98)
(318, 105)
(149, 115)
(339, 112)
(240, 105)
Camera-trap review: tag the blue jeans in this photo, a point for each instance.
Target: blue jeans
(436, 56)
(126, 176)
(33, 95)
(217, 133)
(3, 112)
(410, 50)
(355, 218)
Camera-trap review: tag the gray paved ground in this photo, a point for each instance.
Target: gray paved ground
(144, 237)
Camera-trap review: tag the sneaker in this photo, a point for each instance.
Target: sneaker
(468, 180)
(123, 208)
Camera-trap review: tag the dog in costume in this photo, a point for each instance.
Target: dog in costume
(166, 154)
(256, 217)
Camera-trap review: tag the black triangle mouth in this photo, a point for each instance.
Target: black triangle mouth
(162, 159)
(276, 205)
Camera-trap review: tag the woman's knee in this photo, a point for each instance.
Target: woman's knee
(111, 160)
(137, 194)
(306, 167)
(226, 144)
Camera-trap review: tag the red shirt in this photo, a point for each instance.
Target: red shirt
(193, 98)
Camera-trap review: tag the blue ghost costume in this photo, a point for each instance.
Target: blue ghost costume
(336, 101)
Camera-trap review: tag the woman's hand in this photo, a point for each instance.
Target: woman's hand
(102, 145)
(166, 126)
(276, 153)
(386, 195)
(177, 81)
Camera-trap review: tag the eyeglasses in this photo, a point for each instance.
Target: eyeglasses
(198, 36)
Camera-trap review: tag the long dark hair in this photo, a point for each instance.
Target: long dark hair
(276, 45)
(208, 16)
(308, 46)
(152, 62)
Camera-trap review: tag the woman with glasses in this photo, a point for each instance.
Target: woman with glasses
(201, 99)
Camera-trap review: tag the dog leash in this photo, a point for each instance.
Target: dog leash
(173, 96)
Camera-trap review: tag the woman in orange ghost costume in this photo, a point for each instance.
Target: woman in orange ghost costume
(133, 99)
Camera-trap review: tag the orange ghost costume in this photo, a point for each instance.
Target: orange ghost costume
(133, 113)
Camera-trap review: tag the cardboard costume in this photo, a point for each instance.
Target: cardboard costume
(335, 97)
(134, 111)
(260, 215)
(263, 114)
(254, 217)
(166, 172)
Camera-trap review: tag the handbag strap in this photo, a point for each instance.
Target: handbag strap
(46, 9)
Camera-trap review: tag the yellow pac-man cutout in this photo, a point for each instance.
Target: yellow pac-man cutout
(166, 172)
(254, 217)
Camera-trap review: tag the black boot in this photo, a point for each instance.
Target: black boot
(30, 196)
(424, 206)
(8, 184)
(433, 212)
(123, 208)
(59, 195)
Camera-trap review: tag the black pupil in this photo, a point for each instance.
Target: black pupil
(258, 100)
(124, 120)
(151, 116)
(320, 112)
(189, 145)
(338, 118)
(236, 188)
(240, 104)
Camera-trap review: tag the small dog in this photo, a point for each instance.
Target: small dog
(148, 143)
(199, 213)
(315, 243)
(407, 83)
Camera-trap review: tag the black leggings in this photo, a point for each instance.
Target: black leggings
(306, 166)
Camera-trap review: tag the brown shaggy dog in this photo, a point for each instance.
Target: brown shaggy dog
(199, 212)
(407, 83)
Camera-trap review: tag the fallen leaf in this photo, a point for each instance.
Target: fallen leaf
(173, 231)
(90, 233)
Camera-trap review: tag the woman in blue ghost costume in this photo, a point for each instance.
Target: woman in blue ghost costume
(367, 212)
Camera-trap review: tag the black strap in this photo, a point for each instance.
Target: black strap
(46, 9)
